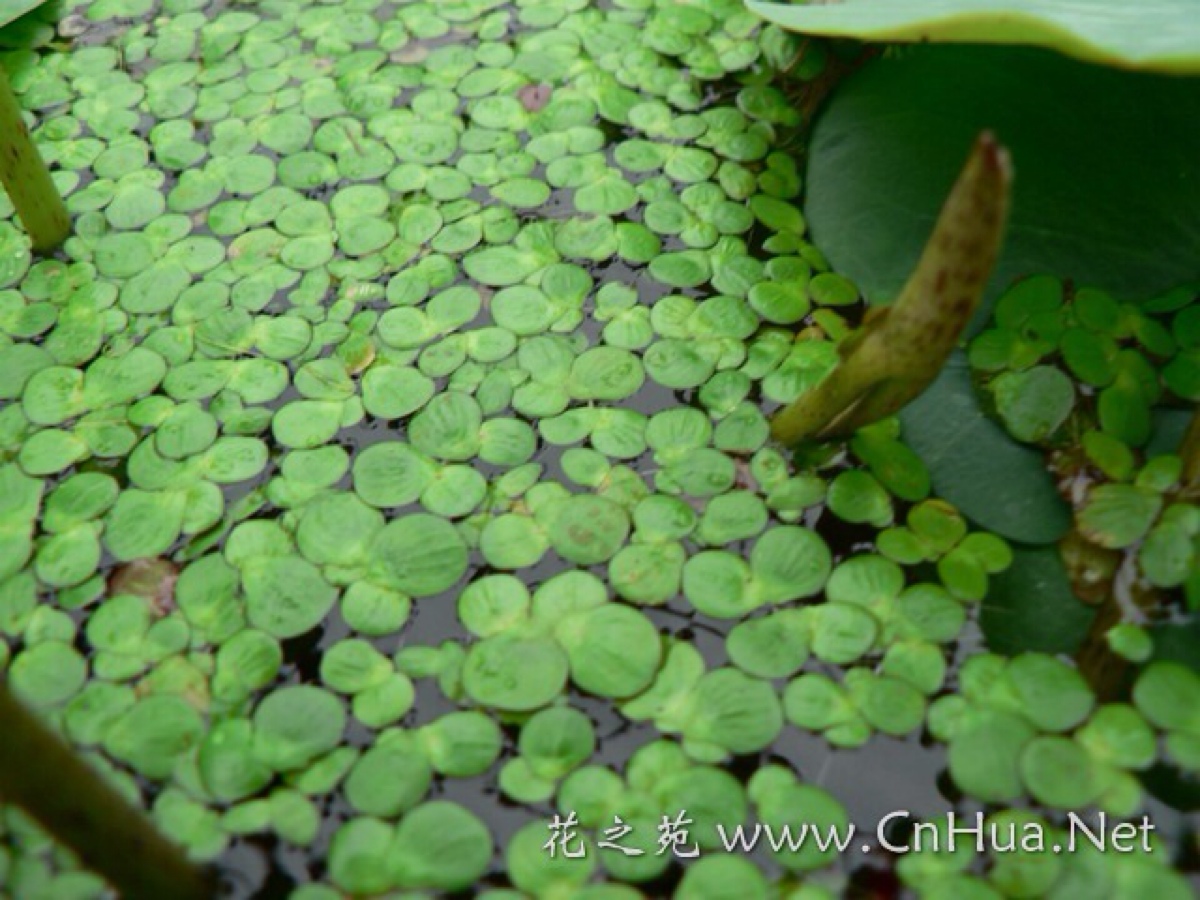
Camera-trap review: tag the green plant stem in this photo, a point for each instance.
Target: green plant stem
(26, 178)
(1094, 573)
(1105, 671)
(75, 804)
(1189, 452)
(899, 350)
(1108, 580)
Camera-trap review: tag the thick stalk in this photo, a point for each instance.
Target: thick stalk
(1129, 599)
(73, 802)
(26, 178)
(1189, 452)
(1113, 577)
(900, 349)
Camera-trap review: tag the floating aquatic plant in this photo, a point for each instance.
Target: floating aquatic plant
(391, 437)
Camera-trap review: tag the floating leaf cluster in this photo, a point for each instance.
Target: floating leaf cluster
(1088, 378)
(392, 427)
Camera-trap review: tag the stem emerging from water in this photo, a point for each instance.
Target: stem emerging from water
(900, 349)
(26, 178)
(72, 801)
(1189, 452)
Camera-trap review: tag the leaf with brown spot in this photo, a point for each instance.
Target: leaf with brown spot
(151, 578)
(534, 97)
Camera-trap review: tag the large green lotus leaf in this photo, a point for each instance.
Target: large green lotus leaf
(969, 457)
(1094, 198)
(14, 9)
(1158, 35)
(1178, 642)
(1030, 606)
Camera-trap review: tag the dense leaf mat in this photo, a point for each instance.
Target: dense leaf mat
(385, 470)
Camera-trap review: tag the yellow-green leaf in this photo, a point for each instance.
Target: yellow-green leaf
(1154, 35)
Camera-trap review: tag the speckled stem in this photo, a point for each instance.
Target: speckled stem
(1189, 452)
(26, 178)
(44, 777)
(900, 349)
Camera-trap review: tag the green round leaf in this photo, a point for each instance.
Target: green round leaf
(296, 724)
(1059, 773)
(514, 673)
(774, 646)
(585, 529)
(734, 711)
(440, 846)
(285, 595)
(47, 674)
(613, 650)
(1166, 694)
(985, 755)
(419, 555)
(388, 779)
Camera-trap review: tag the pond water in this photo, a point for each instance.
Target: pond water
(434, 344)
